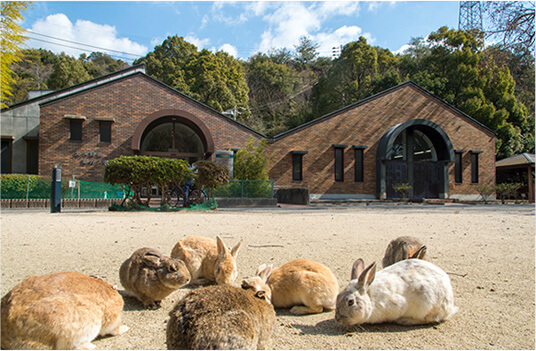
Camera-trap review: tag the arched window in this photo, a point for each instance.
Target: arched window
(422, 148)
(169, 137)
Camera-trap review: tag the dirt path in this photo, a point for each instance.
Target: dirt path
(488, 252)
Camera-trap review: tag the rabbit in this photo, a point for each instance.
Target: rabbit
(305, 286)
(207, 260)
(407, 292)
(402, 248)
(64, 310)
(150, 276)
(221, 317)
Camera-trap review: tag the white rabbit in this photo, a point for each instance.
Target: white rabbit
(302, 285)
(408, 292)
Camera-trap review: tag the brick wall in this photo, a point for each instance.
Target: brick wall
(128, 101)
(364, 125)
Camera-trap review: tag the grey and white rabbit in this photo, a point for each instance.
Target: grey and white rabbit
(402, 248)
(64, 310)
(150, 276)
(407, 292)
(221, 317)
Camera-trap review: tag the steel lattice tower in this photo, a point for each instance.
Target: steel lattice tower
(470, 15)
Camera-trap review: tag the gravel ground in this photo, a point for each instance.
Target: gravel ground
(488, 252)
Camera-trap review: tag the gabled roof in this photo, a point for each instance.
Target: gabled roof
(57, 94)
(373, 97)
(54, 99)
(516, 160)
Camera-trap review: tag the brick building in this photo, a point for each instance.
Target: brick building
(130, 115)
(402, 135)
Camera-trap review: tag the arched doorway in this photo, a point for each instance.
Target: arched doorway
(416, 152)
(173, 133)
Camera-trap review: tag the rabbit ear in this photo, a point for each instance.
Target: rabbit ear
(261, 268)
(366, 278)
(261, 294)
(420, 253)
(234, 250)
(402, 252)
(152, 261)
(222, 249)
(265, 273)
(357, 268)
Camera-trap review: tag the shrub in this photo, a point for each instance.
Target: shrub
(211, 175)
(251, 162)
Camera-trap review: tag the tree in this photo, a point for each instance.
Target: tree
(67, 71)
(11, 42)
(306, 52)
(251, 162)
(512, 23)
(271, 86)
(216, 80)
(450, 65)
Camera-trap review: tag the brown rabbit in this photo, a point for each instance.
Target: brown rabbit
(207, 259)
(302, 285)
(150, 276)
(402, 248)
(64, 310)
(221, 317)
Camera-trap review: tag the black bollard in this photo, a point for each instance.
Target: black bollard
(55, 196)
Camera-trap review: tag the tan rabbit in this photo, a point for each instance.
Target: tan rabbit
(208, 260)
(305, 286)
(150, 276)
(402, 248)
(64, 310)
(221, 317)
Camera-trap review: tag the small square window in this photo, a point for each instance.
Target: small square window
(75, 126)
(105, 131)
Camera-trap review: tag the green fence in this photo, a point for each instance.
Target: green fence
(35, 187)
(246, 189)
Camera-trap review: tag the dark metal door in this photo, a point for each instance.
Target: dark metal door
(396, 172)
(425, 180)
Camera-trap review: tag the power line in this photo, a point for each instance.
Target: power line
(81, 49)
(78, 43)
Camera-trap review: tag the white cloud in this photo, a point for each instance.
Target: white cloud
(289, 21)
(230, 49)
(402, 49)
(193, 39)
(96, 37)
(341, 36)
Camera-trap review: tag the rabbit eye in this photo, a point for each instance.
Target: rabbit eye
(351, 302)
(173, 268)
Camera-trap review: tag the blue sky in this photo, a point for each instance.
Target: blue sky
(133, 28)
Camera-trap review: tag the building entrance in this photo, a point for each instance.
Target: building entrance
(416, 153)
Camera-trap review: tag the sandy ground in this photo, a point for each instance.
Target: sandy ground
(488, 252)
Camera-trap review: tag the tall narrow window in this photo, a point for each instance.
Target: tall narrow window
(458, 175)
(358, 166)
(105, 131)
(339, 162)
(474, 166)
(75, 127)
(297, 165)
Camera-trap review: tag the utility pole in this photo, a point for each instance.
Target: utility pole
(470, 15)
